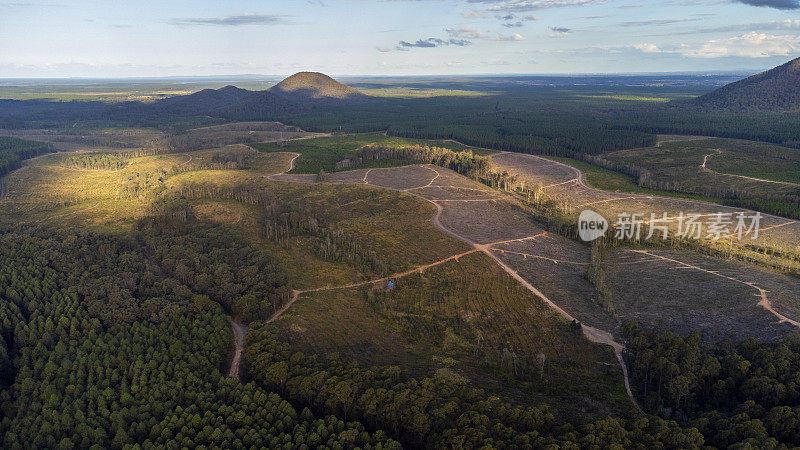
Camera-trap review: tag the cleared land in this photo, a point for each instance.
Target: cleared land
(684, 291)
(559, 267)
(565, 185)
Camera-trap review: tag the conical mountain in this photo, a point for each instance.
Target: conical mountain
(314, 86)
(777, 89)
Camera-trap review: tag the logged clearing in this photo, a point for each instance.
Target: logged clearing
(471, 320)
(559, 267)
(565, 185)
(685, 291)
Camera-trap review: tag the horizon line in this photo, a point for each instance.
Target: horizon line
(489, 75)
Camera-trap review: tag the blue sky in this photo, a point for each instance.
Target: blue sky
(101, 38)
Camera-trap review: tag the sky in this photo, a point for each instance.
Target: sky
(134, 38)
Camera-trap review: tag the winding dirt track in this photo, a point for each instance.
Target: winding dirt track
(291, 166)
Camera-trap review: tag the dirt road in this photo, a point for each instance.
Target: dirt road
(291, 166)
(239, 331)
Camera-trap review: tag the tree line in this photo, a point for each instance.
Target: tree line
(103, 161)
(13, 151)
(784, 204)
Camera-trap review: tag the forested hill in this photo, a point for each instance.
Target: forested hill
(774, 90)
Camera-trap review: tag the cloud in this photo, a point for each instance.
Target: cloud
(777, 25)
(777, 4)
(233, 21)
(750, 45)
(473, 14)
(459, 37)
(788, 24)
(383, 49)
(513, 38)
(515, 6)
(647, 48)
(654, 22)
(431, 43)
(559, 32)
(510, 22)
(465, 32)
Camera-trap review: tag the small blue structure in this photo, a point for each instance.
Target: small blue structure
(389, 285)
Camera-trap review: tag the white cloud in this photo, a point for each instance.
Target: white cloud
(467, 32)
(530, 5)
(647, 48)
(750, 45)
(233, 21)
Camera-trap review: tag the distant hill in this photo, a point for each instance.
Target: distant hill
(314, 86)
(774, 90)
(205, 101)
(304, 89)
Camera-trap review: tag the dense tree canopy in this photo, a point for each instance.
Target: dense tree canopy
(745, 393)
(137, 362)
(13, 151)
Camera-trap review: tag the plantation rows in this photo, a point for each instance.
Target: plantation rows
(73, 379)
